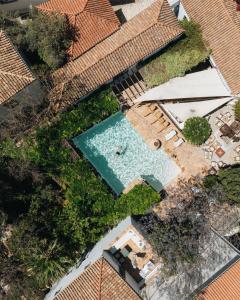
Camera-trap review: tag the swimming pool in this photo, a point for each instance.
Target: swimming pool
(100, 143)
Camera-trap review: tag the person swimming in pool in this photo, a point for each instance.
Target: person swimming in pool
(119, 150)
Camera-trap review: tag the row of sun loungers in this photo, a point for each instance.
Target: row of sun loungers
(156, 118)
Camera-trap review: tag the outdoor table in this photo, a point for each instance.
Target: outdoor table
(227, 131)
(220, 152)
(235, 126)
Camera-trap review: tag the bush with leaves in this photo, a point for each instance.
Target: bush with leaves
(42, 39)
(226, 184)
(50, 36)
(177, 238)
(237, 110)
(196, 130)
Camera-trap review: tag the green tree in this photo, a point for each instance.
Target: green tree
(50, 36)
(229, 180)
(137, 201)
(196, 130)
(237, 110)
(177, 237)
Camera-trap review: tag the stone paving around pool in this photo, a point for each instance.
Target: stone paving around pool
(188, 157)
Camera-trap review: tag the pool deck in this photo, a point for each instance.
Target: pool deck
(189, 158)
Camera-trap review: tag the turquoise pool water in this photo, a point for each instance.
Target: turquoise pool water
(100, 143)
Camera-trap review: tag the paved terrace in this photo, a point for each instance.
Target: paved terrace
(189, 158)
(218, 141)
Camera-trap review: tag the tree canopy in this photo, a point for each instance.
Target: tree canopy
(226, 183)
(196, 130)
(177, 238)
(237, 110)
(50, 36)
(42, 38)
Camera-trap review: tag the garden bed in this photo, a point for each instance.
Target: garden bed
(177, 59)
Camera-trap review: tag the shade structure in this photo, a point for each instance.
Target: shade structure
(182, 111)
(203, 84)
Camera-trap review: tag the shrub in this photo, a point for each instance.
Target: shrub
(229, 179)
(43, 39)
(177, 59)
(50, 36)
(225, 186)
(196, 130)
(237, 110)
(209, 181)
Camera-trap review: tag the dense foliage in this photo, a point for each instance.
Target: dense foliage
(177, 59)
(226, 183)
(43, 39)
(177, 238)
(50, 37)
(196, 130)
(56, 223)
(237, 110)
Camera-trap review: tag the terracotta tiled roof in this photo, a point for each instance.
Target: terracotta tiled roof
(225, 287)
(94, 20)
(144, 34)
(98, 282)
(14, 73)
(220, 23)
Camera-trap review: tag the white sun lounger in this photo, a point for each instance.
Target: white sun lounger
(170, 135)
(178, 142)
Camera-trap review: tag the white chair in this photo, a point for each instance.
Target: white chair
(219, 123)
(170, 135)
(178, 143)
(237, 158)
(228, 114)
(214, 164)
(210, 155)
(237, 149)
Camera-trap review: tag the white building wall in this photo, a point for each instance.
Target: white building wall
(182, 14)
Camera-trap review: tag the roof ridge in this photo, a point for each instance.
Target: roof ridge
(229, 15)
(87, 10)
(17, 75)
(4, 35)
(84, 6)
(99, 17)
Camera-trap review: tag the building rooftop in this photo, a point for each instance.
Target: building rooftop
(123, 258)
(225, 287)
(14, 73)
(220, 23)
(149, 31)
(100, 281)
(94, 20)
(214, 255)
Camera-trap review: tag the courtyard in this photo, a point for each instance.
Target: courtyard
(223, 146)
